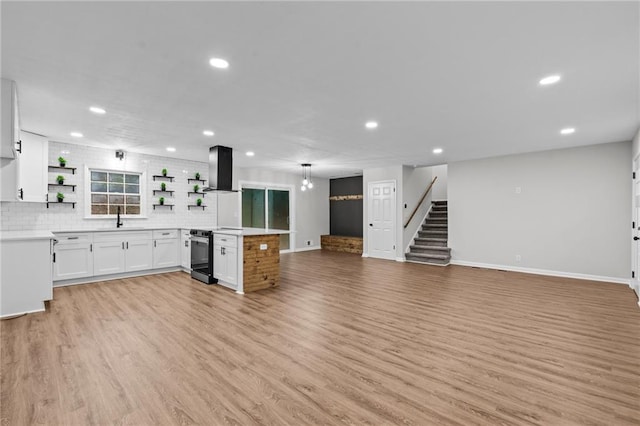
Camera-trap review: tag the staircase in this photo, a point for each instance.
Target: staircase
(430, 246)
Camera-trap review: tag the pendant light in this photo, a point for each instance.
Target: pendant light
(306, 177)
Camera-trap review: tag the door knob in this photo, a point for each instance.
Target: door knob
(371, 224)
(636, 238)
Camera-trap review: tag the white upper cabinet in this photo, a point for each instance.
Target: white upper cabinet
(10, 119)
(32, 168)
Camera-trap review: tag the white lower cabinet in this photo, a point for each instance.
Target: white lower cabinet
(225, 259)
(117, 252)
(73, 256)
(185, 249)
(165, 249)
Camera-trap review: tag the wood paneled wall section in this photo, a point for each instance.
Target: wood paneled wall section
(261, 268)
(342, 244)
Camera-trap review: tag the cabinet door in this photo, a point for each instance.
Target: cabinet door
(72, 260)
(10, 128)
(32, 168)
(138, 255)
(231, 265)
(219, 262)
(185, 252)
(108, 257)
(165, 253)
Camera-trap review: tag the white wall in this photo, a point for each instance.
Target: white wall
(311, 206)
(414, 182)
(393, 173)
(22, 216)
(571, 217)
(440, 187)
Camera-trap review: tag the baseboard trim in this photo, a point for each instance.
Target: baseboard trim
(110, 277)
(365, 255)
(308, 248)
(19, 314)
(400, 259)
(543, 272)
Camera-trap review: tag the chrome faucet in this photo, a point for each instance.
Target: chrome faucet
(118, 221)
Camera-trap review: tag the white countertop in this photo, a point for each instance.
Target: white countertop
(248, 231)
(25, 235)
(121, 229)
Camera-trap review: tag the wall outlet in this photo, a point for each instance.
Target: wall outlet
(518, 258)
(309, 242)
(263, 246)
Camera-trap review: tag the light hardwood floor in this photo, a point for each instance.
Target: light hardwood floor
(344, 340)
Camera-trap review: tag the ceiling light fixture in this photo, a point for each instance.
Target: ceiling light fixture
(76, 134)
(208, 133)
(567, 131)
(97, 110)
(250, 153)
(171, 149)
(218, 63)
(550, 79)
(437, 151)
(371, 124)
(306, 177)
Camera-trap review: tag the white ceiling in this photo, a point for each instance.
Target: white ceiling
(304, 78)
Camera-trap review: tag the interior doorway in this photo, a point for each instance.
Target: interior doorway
(635, 245)
(269, 207)
(381, 220)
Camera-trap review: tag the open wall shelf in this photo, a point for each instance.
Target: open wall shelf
(197, 193)
(63, 169)
(163, 205)
(73, 203)
(62, 185)
(160, 191)
(161, 177)
(195, 206)
(196, 180)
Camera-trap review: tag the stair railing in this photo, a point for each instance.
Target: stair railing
(420, 202)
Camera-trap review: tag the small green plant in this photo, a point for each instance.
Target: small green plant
(164, 172)
(62, 161)
(199, 201)
(163, 186)
(60, 197)
(196, 188)
(60, 179)
(161, 200)
(197, 175)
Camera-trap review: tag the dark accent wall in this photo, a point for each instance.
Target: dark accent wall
(345, 216)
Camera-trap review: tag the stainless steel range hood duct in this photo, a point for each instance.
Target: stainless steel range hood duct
(220, 169)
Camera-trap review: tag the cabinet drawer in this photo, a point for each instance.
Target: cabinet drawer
(225, 240)
(121, 236)
(73, 238)
(165, 234)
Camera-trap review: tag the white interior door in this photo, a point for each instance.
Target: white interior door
(635, 281)
(381, 235)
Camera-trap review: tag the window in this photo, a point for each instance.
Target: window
(113, 190)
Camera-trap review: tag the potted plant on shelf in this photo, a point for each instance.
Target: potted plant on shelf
(196, 188)
(197, 176)
(164, 172)
(163, 186)
(199, 202)
(62, 161)
(161, 201)
(60, 197)
(60, 180)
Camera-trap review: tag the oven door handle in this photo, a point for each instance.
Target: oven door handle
(199, 240)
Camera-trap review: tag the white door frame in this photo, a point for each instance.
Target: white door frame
(634, 282)
(279, 187)
(394, 212)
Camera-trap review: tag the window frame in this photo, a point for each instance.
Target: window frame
(88, 193)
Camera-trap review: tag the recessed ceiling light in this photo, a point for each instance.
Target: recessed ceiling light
(437, 151)
(97, 110)
(76, 134)
(250, 153)
(550, 79)
(371, 124)
(218, 63)
(171, 149)
(208, 133)
(567, 131)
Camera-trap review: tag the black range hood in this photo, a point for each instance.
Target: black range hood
(220, 169)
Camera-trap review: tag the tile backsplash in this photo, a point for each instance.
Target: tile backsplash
(17, 216)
